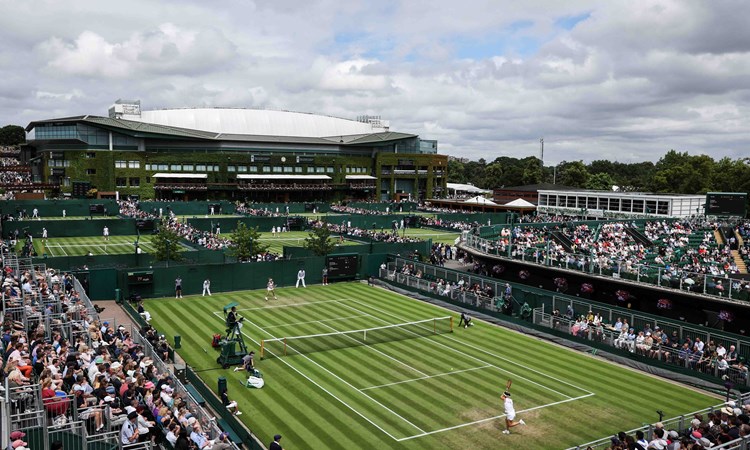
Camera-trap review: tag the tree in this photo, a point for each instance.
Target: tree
(246, 242)
(532, 173)
(600, 181)
(456, 173)
(12, 135)
(493, 175)
(574, 174)
(167, 244)
(319, 242)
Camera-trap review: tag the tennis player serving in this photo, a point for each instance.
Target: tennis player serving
(510, 411)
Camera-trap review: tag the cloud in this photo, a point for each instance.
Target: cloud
(617, 79)
(167, 50)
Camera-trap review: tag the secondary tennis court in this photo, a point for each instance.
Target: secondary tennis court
(96, 245)
(437, 236)
(277, 241)
(414, 387)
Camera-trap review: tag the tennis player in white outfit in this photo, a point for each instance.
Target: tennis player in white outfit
(510, 413)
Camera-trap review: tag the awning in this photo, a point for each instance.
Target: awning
(360, 177)
(283, 177)
(479, 200)
(521, 203)
(180, 175)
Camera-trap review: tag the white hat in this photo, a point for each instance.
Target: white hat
(129, 409)
(109, 398)
(115, 365)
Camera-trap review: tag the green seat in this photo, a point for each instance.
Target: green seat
(233, 436)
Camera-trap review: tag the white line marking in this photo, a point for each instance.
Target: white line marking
(316, 384)
(486, 352)
(424, 378)
(290, 305)
(364, 344)
(315, 321)
(492, 418)
(459, 352)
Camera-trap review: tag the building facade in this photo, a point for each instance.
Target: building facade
(233, 154)
(605, 204)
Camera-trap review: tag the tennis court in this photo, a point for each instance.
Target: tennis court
(437, 236)
(276, 242)
(418, 386)
(96, 245)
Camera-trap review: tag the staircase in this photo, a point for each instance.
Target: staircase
(740, 241)
(739, 262)
(719, 238)
(639, 237)
(563, 240)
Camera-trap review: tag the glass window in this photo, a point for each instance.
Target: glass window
(266, 168)
(277, 169)
(200, 167)
(592, 203)
(614, 204)
(637, 206)
(320, 170)
(231, 168)
(120, 164)
(175, 167)
(651, 206)
(253, 168)
(298, 170)
(90, 171)
(134, 164)
(148, 166)
(135, 182)
(163, 167)
(121, 182)
(329, 169)
(288, 169)
(626, 205)
(188, 167)
(241, 168)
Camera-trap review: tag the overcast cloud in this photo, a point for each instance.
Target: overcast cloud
(621, 80)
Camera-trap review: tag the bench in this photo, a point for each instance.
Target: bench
(233, 436)
(196, 395)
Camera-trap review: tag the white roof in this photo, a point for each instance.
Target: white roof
(179, 175)
(479, 200)
(519, 202)
(257, 122)
(467, 188)
(360, 177)
(283, 177)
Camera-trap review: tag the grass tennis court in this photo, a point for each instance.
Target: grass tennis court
(79, 246)
(290, 239)
(437, 236)
(428, 391)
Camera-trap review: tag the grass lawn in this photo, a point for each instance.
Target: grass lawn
(79, 246)
(437, 236)
(289, 239)
(431, 392)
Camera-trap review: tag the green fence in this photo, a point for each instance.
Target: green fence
(228, 224)
(197, 207)
(199, 256)
(54, 208)
(482, 218)
(392, 206)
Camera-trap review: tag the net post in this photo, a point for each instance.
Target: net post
(284, 346)
(365, 336)
(262, 348)
(451, 325)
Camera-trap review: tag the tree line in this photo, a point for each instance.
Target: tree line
(676, 172)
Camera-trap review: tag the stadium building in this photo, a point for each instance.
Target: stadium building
(223, 153)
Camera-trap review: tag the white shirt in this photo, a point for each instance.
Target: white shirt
(721, 351)
(509, 409)
(301, 274)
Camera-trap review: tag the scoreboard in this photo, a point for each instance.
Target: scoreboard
(342, 266)
(726, 204)
(140, 277)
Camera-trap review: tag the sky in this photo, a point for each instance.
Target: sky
(618, 80)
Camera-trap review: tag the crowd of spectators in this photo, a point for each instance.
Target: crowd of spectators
(344, 209)
(244, 208)
(9, 161)
(457, 225)
(88, 369)
(730, 422)
(345, 230)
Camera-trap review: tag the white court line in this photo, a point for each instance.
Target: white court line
(290, 305)
(487, 352)
(337, 377)
(458, 351)
(424, 378)
(89, 245)
(48, 249)
(491, 418)
(315, 321)
(378, 351)
(283, 360)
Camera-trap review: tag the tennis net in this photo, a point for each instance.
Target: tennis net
(295, 345)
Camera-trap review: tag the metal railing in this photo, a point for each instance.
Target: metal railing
(718, 286)
(678, 424)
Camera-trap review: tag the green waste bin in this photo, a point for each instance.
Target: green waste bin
(222, 384)
(118, 300)
(177, 341)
